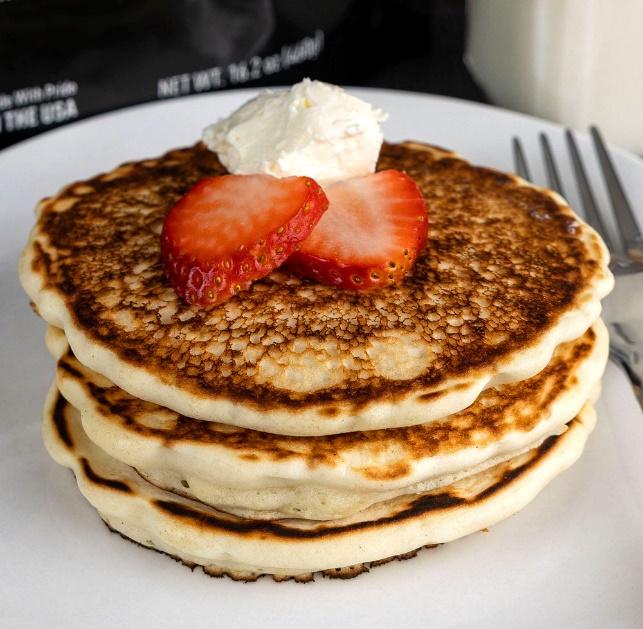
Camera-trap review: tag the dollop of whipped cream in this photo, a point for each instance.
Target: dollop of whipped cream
(312, 129)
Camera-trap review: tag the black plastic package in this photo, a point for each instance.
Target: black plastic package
(62, 60)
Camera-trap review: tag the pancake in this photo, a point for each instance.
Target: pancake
(509, 273)
(244, 548)
(267, 476)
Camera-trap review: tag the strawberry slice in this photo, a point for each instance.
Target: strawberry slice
(229, 231)
(374, 229)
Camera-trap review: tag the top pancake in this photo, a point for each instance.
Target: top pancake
(509, 272)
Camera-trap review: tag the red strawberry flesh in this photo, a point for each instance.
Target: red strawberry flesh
(230, 231)
(373, 231)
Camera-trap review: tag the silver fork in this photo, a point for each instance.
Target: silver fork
(624, 307)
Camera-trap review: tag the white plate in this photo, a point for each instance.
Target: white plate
(574, 557)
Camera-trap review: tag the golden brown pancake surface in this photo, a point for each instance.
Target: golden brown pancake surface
(503, 263)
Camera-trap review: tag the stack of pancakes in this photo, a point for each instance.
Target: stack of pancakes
(301, 428)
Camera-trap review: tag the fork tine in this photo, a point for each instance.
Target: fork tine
(586, 194)
(553, 179)
(520, 163)
(629, 231)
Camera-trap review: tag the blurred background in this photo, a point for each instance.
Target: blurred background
(574, 61)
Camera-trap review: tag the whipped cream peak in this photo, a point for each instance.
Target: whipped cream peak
(313, 129)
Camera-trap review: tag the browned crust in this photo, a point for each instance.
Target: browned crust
(96, 479)
(344, 573)
(60, 422)
(502, 260)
